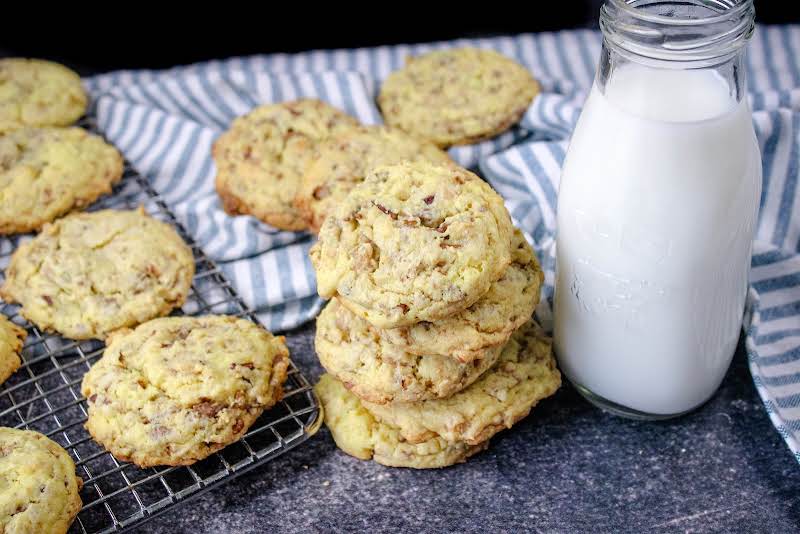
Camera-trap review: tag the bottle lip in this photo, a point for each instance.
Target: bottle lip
(641, 33)
(738, 9)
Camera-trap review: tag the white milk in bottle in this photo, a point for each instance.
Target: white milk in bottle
(656, 213)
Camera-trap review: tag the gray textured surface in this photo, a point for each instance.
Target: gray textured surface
(568, 467)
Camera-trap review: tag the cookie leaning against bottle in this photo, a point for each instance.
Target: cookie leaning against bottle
(176, 389)
(413, 242)
(89, 274)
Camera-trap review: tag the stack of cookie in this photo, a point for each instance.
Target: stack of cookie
(428, 340)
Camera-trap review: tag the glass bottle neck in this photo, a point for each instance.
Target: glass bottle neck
(729, 72)
(645, 40)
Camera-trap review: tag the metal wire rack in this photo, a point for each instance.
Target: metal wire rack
(44, 395)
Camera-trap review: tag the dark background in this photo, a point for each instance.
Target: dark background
(133, 36)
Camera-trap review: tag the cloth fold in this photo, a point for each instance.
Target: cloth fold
(166, 121)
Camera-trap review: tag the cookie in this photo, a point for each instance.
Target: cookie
(487, 323)
(261, 159)
(177, 389)
(39, 491)
(458, 96)
(38, 93)
(343, 161)
(47, 172)
(413, 242)
(357, 354)
(12, 338)
(91, 273)
(359, 434)
(524, 374)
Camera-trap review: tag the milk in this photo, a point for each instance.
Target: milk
(656, 213)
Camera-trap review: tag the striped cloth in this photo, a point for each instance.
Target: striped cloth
(166, 121)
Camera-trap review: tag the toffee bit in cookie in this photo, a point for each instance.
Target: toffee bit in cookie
(321, 192)
(238, 426)
(207, 408)
(385, 210)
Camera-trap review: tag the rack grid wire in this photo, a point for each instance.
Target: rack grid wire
(44, 395)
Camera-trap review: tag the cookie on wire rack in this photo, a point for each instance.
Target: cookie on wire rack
(34, 92)
(89, 274)
(177, 389)
(39, 491)
(12, 338)
(48, 172)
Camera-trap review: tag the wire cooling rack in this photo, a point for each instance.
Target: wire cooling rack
(44, 395)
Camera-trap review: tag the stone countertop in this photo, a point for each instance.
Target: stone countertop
(567, 467)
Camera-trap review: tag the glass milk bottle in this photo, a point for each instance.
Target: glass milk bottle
(657, 208)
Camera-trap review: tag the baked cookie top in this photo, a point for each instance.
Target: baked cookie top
(359, 434)
(263, 155)
(413, 242)
(34, 92)
(358, 354)
(177, 389)
(525, 373)
(47, 172)
(457, 96)
(344, 160)
(489, 322)
(12, 338)
(90, 273)
(39, 490)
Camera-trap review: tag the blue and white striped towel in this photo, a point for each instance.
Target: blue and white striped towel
(166, 121)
